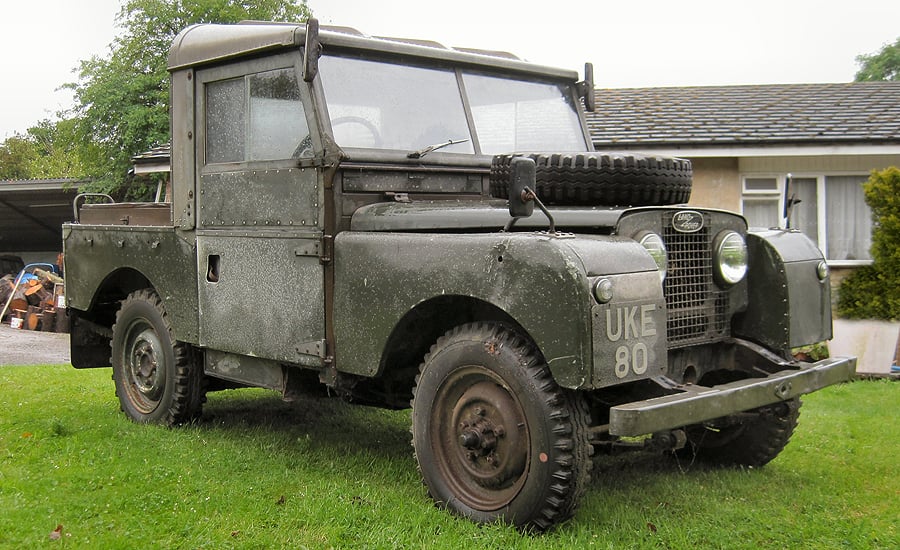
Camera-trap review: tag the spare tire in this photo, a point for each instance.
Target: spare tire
(600, 179)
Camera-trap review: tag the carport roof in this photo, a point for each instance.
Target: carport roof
(32, 213)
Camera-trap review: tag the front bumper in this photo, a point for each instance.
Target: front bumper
(696, 404)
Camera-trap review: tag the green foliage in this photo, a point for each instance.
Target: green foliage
(884, 65)
(873, 291)
(47, 150)
(59, 151)
(122, 100)
(16, 154)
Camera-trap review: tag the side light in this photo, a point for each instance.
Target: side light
(603, 290)
(730, 258)
(822, 271)
(654, 244)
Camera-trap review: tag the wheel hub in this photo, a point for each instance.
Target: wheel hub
(487, 456)
(144, 364)
(146, 371)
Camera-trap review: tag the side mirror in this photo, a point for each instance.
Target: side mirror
(586, 88)
(790, 200)
(521, 200)
(312, 49)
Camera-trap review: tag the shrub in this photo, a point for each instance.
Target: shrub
(873, 291)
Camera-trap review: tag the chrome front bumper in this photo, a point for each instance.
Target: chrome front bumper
(698, 403)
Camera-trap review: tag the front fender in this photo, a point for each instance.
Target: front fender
(789, 303)
(540, 281)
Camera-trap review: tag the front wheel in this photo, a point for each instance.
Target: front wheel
(157, 377)
(751, 439)
(495, 437)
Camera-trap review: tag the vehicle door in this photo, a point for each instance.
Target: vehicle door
(259, 215)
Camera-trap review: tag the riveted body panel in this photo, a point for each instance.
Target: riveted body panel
(790, 305)
(161, 255)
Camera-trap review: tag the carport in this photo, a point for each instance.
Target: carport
(31, 216)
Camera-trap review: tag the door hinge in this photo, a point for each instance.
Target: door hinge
(327, 249)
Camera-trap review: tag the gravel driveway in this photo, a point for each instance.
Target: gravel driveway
(27, 347)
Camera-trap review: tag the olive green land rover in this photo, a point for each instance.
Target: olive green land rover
(421, 227)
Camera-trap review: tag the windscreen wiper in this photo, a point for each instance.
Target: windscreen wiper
(422, 152)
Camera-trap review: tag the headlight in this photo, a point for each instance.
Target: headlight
(730, 257)
(657, 249)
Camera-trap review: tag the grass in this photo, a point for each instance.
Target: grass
(260, 473)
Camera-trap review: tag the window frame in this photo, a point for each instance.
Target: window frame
(822, 217)
(245, 69)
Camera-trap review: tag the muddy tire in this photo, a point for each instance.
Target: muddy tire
(754, 441)
(494, 436)
(158, 379)
(600, 179)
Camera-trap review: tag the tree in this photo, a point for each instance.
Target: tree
(873, 291)
(59, 153)
(16, 154)
(122, 100)
(884, 65)
(46, 150)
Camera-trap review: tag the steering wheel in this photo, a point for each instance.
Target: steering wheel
(364, 122)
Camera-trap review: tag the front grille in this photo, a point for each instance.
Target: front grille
(697, 308)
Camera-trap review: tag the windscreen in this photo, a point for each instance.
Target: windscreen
(518, 115)
(389, 106)
(382, 105)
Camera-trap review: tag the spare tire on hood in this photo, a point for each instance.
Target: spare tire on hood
(600, 179)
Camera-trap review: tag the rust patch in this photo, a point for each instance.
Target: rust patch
(492, 348)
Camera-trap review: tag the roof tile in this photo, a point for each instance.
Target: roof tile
(764, 114)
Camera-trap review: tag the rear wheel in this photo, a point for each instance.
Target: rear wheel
(751, 439)
(157, 377)
(494, 436)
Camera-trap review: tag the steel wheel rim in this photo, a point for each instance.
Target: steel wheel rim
(479, 434)
(145, 368)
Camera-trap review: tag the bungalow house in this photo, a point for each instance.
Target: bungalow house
(744, 141)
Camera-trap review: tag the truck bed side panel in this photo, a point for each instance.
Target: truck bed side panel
(95, 254)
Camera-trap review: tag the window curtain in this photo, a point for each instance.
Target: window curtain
(805, 216)
(849, 220)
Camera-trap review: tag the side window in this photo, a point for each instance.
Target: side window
(256, 117)
(225, 121)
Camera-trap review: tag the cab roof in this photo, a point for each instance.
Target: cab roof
(212, 43)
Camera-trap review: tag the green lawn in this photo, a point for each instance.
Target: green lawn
(260, 473)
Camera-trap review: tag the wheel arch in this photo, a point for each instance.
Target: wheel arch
(92, 320)
(91, 327)
(114, 288)
(415, 332)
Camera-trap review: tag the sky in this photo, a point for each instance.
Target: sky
(633, 43)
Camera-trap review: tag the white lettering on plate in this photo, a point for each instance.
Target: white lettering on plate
(630, 322)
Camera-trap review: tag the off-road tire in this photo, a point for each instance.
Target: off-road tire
(600, 179)
(158, 379)
(753, 442)
(495, 437)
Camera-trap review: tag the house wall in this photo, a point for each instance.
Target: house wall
(717, 183)
(717, 180)
(819, 164)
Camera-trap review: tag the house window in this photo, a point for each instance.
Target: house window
(832, 211)
(849, 230)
